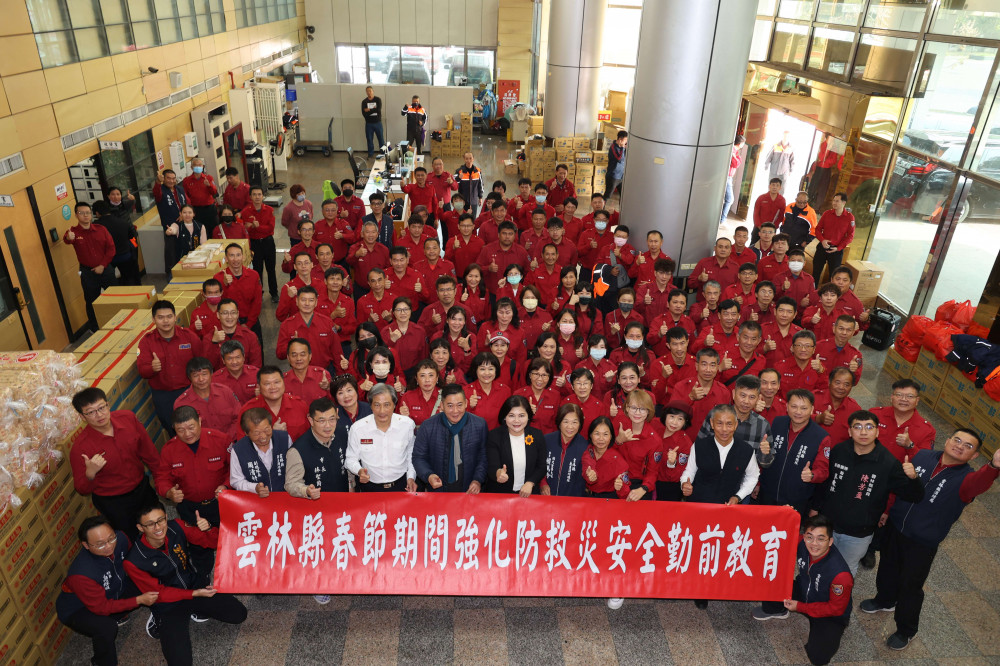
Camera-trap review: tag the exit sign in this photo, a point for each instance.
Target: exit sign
(604, 114)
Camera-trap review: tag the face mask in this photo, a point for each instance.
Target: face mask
(458, 205)
(585, 300)
(381, 370)
(300, 198)
(619, 241)
(601, 226)
(633, 344)
(513, 279)
(214, 300)
(228, 219)
(540, 198)
(796, 266)
(598, 353)
(530, 304)
(626, 307)
(197, 169)
(367, 343)
(115, 203)
(347, 194)
(567, 329)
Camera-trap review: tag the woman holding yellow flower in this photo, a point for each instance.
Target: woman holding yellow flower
(515, 451)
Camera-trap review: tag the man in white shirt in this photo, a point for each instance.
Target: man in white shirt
(720, 469)
(257, 462)
(380, 446)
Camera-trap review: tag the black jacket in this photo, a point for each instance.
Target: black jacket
(858, 488)
(372, 114)
(498, 454)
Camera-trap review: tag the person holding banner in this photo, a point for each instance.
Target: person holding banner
(639, 441)
(380, 446)
(449, 452)
(160, 562)
(821, 592)
(728, 470)
(314, 460)
(515, 451)
(257, 463)
(349, 407)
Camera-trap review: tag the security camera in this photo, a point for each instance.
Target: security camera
(310, 29)
(152, 70)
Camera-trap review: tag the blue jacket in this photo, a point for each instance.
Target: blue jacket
(430, 450)
(814, 581)
(782, 481)
(108, 572)
(564, 471)
(928, 521)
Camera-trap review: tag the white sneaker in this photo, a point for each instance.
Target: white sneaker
(615, 603)
(322, 599)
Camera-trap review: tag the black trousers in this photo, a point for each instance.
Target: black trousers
(128, 267)
(102, 630)
(122, 510)
(92, 284)
(668, 491)
(263, 257)
(823, 258)
(413, 136)
(824, 634)
(175, 623)
(163, 404)
(899, 582)
(208, 216)
(399, 485)
(169, 252)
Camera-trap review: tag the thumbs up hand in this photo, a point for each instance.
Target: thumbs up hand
(903, 439)
(816, 365)
(826, 418)
(816, 317)
(705, 312)
(292, 290)
(687, 489)
(465, 343)
(807, 474)
(473, 400)
(403, 409)
(672, 456)
(648, 300)
(70, 236)
(363, 475)
(590, 474)
(229, 278)
(217, 335)
(908, 468)
(502, 475)
(202, 523)
(619, 482)
(704, 276)
(710, 339)
(727, 363)
(853, 366)
(765, 446)
(198, 325)
(175, 494)
(770, 345)
(458, 244)
(754, 316)
(156, 365)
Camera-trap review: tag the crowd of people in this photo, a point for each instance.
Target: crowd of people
(530, 324)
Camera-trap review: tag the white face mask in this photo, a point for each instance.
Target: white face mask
(530, 304)
(796, 266)
(380, 370)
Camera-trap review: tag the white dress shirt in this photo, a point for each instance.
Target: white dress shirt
(386, 455)
(236, 479)
(749, 476)
(519, 455)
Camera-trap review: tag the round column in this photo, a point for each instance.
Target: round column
(575, 57)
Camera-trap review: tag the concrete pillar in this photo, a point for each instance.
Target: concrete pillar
(573, 72)
(688, 84)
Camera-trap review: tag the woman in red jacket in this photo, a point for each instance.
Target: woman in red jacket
(626, 381)
(485, 395)
(544, 399)
(472, 295)
(422, 400)
(512, 284)
(571, 341)
(440, 354)
(508, 324)
(635, 350)
(535, 320)
(597, 362)
(407, 339)
(640, 443)
(366, 338)
(463, 343)
(380, 368)
(604, 468)
(676, 447)
(582, 381)
(547, 349)
(499, 346)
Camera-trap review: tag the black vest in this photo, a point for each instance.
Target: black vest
(324, 467)
(782, 481)
(928, 521)
(254, 471)
(714, 483)
(173, 566)
(108, 572)
(813, 580)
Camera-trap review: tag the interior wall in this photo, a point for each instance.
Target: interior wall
(514, 43)
(39, 106)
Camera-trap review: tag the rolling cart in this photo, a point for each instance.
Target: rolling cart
(325, 147)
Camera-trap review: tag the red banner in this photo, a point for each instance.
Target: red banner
(500, 545)
(508, 92)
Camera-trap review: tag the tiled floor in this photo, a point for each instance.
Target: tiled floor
(960, 622)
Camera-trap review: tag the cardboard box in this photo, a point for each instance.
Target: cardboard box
(600, 157)
(584, 157)
(20, 542)
(930, 387)
(867, 278)
(957, 382)
(535, 153)
(17, 644)
(986, 407)
(584, 191)
(26, 577)
(510, 167)
(11, 515)
(897, 366)
(59, 482)
(114, 299)
(130, 319)
(533, 141)
(52, 640)
(563, 143)
(10, 613)
(184, 304)
(563, 156)
(581, 144)
(41, 608)
(951, 408)
(115, 375)
(931, 366)
(585, 170)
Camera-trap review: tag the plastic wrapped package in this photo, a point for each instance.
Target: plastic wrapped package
(7, 496)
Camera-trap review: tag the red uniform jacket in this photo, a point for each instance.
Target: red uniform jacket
(94, 246)
(174, 355)
(209, 320)
(616, 318)
(534, 324)
(725, 275)
(355, 210)
(265, 216)
(323, 340)
(245, 290)
(568, 253)
(738, 293)
(369, 304)
(465, 254)
(743, 367)
(244, 386)
(288, 265)
(719, 394)
(659, 304)
(198, 473)
(286, 303)
(778, 408)
(838, 430)
(921, 432)
(769, 267)
(411, 348)
(493, 253)
(220, 411)
(658, 342)
(200, 189)
(642, 270)
(233, 231)
(543, 408)
(590, 255)
(783, 343)
(793, 377)
(126, 451)
(831, 356)
(799, 286)
(824, 328)
(523, 216)
(307, 389)
(643, 455)
(376, 256)
(419, 409)
(609, 467)
(559, 193)
(293, 413)
(487, 404)
(251, 347)
(422, 196)
(326, 233)
(838, 231)
(238, 197)
(682, 443)
(430, 274)
(477, 303)
(534, 241)
(346, 325)
(406, 286)
(546, 282)
(766, 209)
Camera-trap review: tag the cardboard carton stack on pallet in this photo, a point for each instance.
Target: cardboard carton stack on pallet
(455, 140)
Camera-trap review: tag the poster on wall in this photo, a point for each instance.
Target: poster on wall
(508, 91)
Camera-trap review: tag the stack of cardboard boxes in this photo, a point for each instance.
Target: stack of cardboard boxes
(456, 140)
(617, 102)
(535, 124)
(600, 170)
(951, 394)
(866, 278)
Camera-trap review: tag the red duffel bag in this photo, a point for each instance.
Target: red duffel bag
(937, 338)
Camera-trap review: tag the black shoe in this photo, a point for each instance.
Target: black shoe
(868, 561)
(198, 618)
(274, 298)
(153, 627)
(123, 620)
(701, 603)
(897, 641)
(871, 606)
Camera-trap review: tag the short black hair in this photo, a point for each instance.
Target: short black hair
(862, 415)
(512, 402)
(319, 405)
(198, 363)
(451, 389)
(183, 414)
(89, 524)
(819, 521)
(805, 394)
(88, 396)
(163, 305)
(149, 507)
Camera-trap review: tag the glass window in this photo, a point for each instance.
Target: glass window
(380, 60)
(844, 12)
(761, 40)
(870, 159)
(448, 60)
(48, 15)
(55, 48)
(113, 11)
(119, 38)
(797, 9)
(974, 244)
(204, 24)
(184, 8)
(140, 10)
(170, 31)
(831, 50)
(967, 19)
(145, 34)
(90, 43)
(766, 7)
(480, 68)
(351, 64)
(189, 27)
(950, 82)
(623, 25)
(884, 60)
(893, 15)
(789, 43)
(165, 10)
(413, 66)
(882, 116)
(84, 13)
(910, 213)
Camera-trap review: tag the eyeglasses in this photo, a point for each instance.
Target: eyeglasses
(101, 545)
(401, 310)
(96, 410)
(804, 345)
(155, 523)
(905, 396)
(637, 409)
(863, 427)
(538, 375)
(328, 421)
(969, 446)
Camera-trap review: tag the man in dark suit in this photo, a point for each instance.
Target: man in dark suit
(449, 453)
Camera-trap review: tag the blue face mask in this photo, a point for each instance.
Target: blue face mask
(633, 344)
(540, 198)
(513, 279)
(598, 353)
(197, 169)
(601, 225)
(300, 198)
